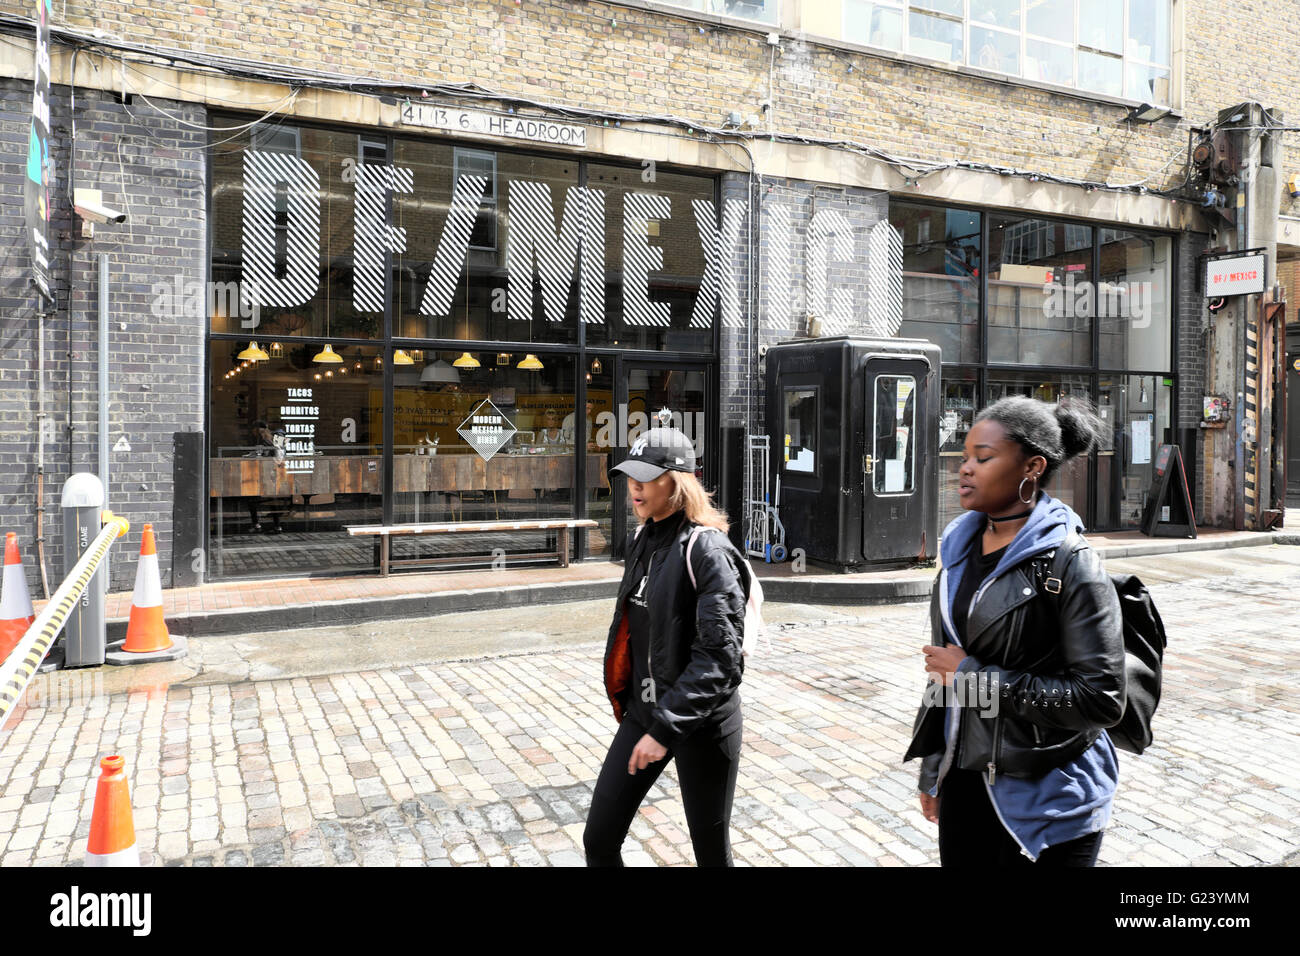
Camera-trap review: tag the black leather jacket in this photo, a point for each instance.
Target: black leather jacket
(695, 638)
(1048, 687)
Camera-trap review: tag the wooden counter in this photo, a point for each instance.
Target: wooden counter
(348, 475)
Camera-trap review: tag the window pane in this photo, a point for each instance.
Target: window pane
(894, 463)
(323, 165)
(1101, 25)
(295, 456)
(1150, 84)
(999, 13)
(1035, 316)
(953, 7)
(1053, 19)
(941, 263)
(1049, 62)
(478, 303)
(1070, 482)
(959, 404)
(763, 11)
(934, 38)
(801, 424)
(1103, 74)
(1148, 30)
(993, 50)
(674, 284)
(439, 476)
(1133, 300)
(873, 24)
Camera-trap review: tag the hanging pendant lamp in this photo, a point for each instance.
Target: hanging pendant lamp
(327, 355)
(466, 361)
(254, 354)
(531, 362)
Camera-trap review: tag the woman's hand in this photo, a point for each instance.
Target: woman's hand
(942, 661)
(930, 807)
(646, 752)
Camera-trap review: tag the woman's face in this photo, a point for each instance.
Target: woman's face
(992, 468)
(650, 499)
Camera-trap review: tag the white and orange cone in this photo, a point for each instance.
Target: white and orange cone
(147, 638)
(16, 614)
(112, 829)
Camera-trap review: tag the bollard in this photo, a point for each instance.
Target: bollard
(85, 635)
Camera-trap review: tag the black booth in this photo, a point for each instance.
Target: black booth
(854, 426)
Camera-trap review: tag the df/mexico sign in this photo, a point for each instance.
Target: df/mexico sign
(1240, 275)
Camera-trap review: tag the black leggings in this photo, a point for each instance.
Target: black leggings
(706, 766)
(970, 833)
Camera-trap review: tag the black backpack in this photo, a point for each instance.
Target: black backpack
(1144, 649)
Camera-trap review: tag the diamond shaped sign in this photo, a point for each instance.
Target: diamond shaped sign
(487, 430)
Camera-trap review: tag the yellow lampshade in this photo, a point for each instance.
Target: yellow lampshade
(466, 361)
(401, 358)
(253, 354)
(531, 362)
(328, 355)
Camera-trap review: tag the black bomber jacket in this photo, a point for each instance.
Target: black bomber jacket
(1057, 683)
(695, 636)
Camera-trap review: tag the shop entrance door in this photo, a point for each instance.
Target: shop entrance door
(1292, 372)
(644, 391)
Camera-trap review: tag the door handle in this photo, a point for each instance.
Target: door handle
(868, 464)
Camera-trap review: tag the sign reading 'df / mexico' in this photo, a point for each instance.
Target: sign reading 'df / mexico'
(493, 124)
(1243, 275)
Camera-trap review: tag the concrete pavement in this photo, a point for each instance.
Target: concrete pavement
(476, 738)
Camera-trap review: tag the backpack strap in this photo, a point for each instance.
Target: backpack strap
(1056, 574)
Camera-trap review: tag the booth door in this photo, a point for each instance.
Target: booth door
(893, 510)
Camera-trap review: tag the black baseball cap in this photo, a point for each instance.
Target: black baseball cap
(656, 451)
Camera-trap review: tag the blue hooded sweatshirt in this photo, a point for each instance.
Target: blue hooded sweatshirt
(1070, 801)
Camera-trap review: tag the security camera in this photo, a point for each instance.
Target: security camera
(90, 207)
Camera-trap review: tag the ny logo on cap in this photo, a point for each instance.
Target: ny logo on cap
(638, 446)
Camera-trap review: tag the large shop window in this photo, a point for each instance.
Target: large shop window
(295, 455)
(1070, 482)
(1134, 299)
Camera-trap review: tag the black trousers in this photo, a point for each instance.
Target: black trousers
(707, 762)
(970, 833)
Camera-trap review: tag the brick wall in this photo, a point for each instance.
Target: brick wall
(597, 54)
(153, 167)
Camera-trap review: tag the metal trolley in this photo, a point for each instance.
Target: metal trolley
(764, 533)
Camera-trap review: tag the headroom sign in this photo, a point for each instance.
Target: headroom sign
(533, 129)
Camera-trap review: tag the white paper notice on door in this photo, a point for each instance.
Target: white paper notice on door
(1141, 432)
(893, 476)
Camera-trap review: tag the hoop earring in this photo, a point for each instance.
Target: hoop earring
(1020, 492)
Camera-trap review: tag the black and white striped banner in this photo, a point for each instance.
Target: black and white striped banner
(720, 247)
(640, 259)
(532, 237)
(830, 237)
(449, 260)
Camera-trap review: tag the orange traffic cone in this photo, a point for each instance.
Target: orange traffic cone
(146, 631)
(147, 638)
(112, 830)
(16, 613)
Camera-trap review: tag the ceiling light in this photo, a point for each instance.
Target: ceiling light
(327, 355)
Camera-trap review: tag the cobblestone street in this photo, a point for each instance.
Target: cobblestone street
(491, 760)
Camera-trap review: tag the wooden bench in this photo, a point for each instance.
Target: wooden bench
(386, 533)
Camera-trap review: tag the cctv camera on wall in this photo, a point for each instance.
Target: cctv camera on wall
(89, 204)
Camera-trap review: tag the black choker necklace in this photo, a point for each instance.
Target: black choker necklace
(1022, 514)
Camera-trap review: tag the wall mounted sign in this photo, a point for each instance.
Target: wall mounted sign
(530, 128)
(39, 180)
(1241, 275)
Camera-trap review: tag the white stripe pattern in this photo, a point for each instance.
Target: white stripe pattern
(148, 583)
(263, 172)
(372, 235)
(532, 237)
(15, 600)
(884, 280)
(640, 258)
(830, 237)
(780, 284)
(449, 260)
(719, 245)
